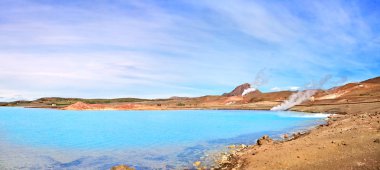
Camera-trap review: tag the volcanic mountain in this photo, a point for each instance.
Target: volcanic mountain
(238, 91)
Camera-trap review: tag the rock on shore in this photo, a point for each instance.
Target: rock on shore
(122, 167)
(348, 142)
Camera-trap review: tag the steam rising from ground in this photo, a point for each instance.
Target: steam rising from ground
(260, 79)
(249, 90)
(302, 95)
(341, 80)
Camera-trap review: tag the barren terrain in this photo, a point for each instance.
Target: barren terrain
(350, 140)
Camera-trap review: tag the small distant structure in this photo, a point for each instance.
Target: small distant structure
(53, 105)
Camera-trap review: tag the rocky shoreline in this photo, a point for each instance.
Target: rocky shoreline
(231, 160)
(350, 141)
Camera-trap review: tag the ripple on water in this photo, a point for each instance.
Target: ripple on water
(43, 139)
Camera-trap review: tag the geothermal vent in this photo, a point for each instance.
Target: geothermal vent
(238, 91)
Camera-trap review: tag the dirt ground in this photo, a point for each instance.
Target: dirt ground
(350, 141)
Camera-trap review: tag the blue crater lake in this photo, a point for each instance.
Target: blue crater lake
(56, 139)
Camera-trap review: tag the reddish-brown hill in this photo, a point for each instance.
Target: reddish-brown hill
(78, 106)
(238, 90)
(373, 80)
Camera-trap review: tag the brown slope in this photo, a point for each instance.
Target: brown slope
(375, 80)
(349, 98)
(271, 96)
(238, 90)
(354, 92)
(78, 106)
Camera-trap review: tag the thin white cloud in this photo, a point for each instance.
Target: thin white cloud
(145, 49)
(294, 88)
(275, 89)
(291, 88)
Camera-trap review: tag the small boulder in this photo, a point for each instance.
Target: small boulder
(197, 164)
(232, 146)
(264, 140)
(122, 167)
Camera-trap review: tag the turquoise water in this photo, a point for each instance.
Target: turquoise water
(45, 138)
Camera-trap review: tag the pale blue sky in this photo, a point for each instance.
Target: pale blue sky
(154, 49)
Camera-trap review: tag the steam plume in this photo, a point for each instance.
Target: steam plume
(260, 79)
(302, 95)
(342, 80)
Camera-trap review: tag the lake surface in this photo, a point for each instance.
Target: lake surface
(55, 139)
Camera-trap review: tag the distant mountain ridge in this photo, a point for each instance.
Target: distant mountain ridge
(366, 91)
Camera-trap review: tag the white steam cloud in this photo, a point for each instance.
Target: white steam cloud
(249, 90)
(302, 95)
(339, 82)
(260, 79)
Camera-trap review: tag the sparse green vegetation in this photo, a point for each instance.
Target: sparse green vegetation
(48, 101)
